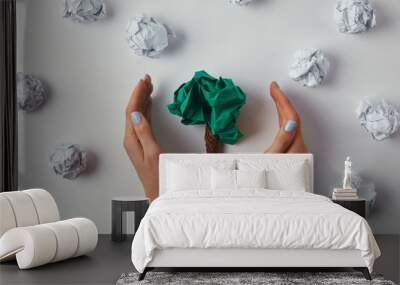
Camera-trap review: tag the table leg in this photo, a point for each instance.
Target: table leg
(116, 221)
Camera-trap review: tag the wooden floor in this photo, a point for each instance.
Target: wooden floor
(110, 260)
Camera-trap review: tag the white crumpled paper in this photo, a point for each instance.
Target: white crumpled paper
(365, 189)
(240, 2)
(148, 37)
(68, 160)
(84, 10)
(354, 16)
(381, 119)
(31, 92)
(309, 67)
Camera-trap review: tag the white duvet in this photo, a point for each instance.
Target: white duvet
(252, 218)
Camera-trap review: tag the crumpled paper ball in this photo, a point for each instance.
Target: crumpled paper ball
(365, 189)
(309, 67)
(381, 119)
(240, 2)
(68, 161)
(147, 36)
(84, 10)
(354, 16)
(31, 92)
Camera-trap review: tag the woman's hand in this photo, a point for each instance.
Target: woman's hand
(144, 151)
(139, 141)
(289, 138)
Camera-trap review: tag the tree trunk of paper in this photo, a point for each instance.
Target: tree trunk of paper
(213, 145)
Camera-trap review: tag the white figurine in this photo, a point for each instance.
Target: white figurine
(347, 174)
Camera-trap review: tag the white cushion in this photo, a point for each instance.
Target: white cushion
(23, 208)
(27, 208)
(226, 179)
(223, 179)
(7, 220)
(40, 244)
(251, 178)
(67, 237)
(45, 205)
(32, 246)
(87, 233)
(281, 174)
(184, 175)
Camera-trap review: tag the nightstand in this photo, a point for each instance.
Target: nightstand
(120, 205)
(358, 206)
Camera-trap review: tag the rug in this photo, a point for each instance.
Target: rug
(244, 278)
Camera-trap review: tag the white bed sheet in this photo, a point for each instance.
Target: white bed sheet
(252, 218)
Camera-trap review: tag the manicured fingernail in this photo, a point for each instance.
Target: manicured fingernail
(277, 85)
(290, 126)
(135, 116)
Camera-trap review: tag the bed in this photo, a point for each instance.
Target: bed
(247, 211)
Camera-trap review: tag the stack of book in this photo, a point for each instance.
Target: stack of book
(344, 194)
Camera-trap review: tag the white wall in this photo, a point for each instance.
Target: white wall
(91, 71)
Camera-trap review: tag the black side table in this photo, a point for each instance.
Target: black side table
(358, 206)
(119, 205)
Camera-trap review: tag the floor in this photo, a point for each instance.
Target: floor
(110, 259)
(103, 266)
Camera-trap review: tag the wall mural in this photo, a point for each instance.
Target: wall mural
(214, 102)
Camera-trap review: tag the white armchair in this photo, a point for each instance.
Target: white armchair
(32, 233)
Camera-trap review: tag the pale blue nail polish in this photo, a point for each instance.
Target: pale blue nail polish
(135, 116)
(290, 126)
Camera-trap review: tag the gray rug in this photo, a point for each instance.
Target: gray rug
(268, 278)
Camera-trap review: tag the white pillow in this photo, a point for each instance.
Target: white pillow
(225, 179)
(281, 174)
(251, 178)
(186, 175)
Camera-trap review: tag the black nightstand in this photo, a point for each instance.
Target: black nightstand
(358, 206)
(119, 205)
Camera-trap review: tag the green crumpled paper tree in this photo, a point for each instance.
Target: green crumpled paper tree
(213, 102)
